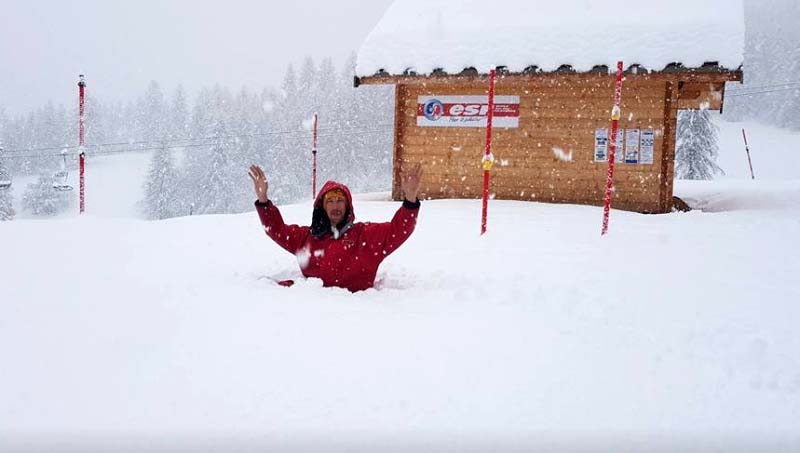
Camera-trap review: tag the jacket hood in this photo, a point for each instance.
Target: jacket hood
(320, 224)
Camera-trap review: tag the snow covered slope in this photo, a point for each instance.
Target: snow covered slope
(113, 186)
(674, 332)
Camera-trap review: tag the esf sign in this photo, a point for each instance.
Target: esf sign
(466, 111)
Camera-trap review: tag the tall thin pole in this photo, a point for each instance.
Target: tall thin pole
(488, 158)
(82, 155)
(747, 148)
(612, 146)
(314, 164)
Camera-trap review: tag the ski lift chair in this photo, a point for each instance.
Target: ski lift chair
(60, 181)
(60, 178)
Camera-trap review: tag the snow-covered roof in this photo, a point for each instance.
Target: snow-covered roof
(424, 35)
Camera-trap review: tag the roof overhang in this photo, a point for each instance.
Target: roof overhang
(708, 73)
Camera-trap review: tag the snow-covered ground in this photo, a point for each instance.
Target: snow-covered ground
(675, 332)
(114, 186)
(775, 155)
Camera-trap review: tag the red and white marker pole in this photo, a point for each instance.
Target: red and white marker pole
(488, 158)
(314, 163)
(612, 146)
(82, 155)
(749, 162)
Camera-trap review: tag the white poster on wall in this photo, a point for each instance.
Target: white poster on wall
(648, 146)
(619, 152)
(632, 146)
(466, 111)
(601, 145)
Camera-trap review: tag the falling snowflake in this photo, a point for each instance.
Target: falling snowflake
(562, 155)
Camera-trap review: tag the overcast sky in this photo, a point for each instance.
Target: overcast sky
(122, 45)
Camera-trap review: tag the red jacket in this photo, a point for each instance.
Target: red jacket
(352, 260)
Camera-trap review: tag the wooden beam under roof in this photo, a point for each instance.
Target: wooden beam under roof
(705, 74)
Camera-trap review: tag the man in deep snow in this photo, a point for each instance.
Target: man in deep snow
(334, 248)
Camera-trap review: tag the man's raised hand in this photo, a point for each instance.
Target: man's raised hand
(410, 182)
(259, 183)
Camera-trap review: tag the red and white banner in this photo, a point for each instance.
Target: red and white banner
(466, 111)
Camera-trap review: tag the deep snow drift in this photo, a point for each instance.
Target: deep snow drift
(676, 331)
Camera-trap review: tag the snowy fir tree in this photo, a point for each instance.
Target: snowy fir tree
(98, 122)
(286, 158)
(152, 115)
(161, 187)
(194, 160)
(217, 186)
(6, 194)
(697, 148)
(178, 122)
(6, 203)
(41, 199)
(248, 126)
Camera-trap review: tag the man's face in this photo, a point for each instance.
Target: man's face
(335, 207)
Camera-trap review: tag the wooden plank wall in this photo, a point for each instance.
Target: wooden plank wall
(558, 111)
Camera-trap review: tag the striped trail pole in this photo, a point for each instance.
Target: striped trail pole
(488, 158)
(612, 146)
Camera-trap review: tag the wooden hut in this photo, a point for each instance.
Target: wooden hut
(554, 92)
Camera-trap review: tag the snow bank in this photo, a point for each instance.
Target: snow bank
(422, 35)
(676, 331)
